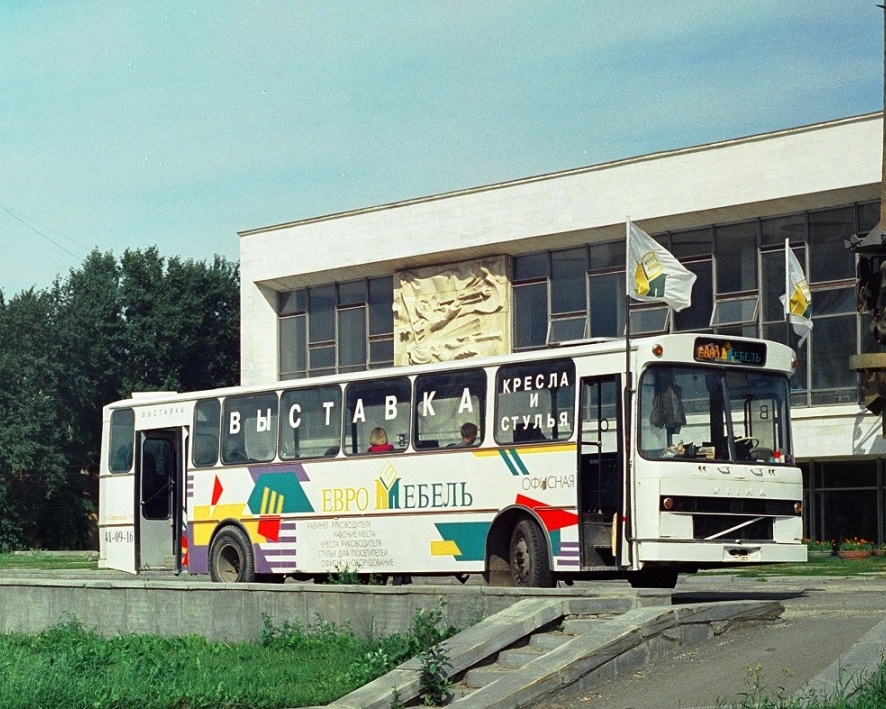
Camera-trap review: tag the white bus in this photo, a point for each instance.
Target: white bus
(569, 476)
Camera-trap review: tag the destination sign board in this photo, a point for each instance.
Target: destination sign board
(725, 351)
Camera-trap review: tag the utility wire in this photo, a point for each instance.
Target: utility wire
(37, 231)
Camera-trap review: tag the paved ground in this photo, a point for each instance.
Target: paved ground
(823, 619)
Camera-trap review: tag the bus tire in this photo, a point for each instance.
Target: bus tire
(530, 566)
(230, 557)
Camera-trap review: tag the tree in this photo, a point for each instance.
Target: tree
(108, 329)
(90, 344)
(33, 469)
(182, 322)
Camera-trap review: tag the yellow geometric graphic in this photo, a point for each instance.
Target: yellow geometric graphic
(207, 512)
(527, 450)
(383, 485)
(271, 502)
(388, 475)
(205, 518)
(447, 547)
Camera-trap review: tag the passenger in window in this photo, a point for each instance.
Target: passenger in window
(468, 434)
(378, 441)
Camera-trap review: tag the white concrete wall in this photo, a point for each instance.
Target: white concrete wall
(730, 181)
(259, 352)
(836, 432)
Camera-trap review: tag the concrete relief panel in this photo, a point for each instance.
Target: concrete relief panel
(444, 313)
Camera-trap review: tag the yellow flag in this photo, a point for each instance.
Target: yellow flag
(654, 275)
(797, 298)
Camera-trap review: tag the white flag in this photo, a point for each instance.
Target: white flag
(798, 298)
(653, 274)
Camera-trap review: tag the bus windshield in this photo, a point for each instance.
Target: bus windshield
(715, 414)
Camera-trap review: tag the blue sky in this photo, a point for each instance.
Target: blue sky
(178, 124)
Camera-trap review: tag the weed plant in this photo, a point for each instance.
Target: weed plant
(346, 576)
(854, 695)
(425, 631)
(73, 667)
(434, 682)
(343, 576)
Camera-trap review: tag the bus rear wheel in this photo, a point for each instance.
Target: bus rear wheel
(230, 557)
(528, 556)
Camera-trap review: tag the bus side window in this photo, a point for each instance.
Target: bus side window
(443, 404)
(535, 402)
(249, 429)
(384, 403)
(310, 423)
(120, 448)
(207, 419)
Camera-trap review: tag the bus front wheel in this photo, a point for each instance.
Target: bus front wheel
(528, 556)
(230, 557)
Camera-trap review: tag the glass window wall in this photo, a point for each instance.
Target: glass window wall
(740, 270)
(344, 327)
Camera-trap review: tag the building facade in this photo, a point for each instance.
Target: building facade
(524, 264)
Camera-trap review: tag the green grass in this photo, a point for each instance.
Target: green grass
(46, 560)
(816, 566)
(72, 666)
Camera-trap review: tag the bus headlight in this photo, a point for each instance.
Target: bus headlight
(667, 503)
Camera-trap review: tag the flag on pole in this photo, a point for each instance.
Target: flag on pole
(797, 299)
(653, 274)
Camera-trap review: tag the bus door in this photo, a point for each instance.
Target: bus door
(159, 481)
(601, 470)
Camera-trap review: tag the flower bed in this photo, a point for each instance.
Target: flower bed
(854, 548)
(819, 548)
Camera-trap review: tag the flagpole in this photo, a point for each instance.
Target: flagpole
(628, 390)
(627, 310)
(787, 293)
(652, 273)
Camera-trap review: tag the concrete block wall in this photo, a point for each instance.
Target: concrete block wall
(236, 612)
